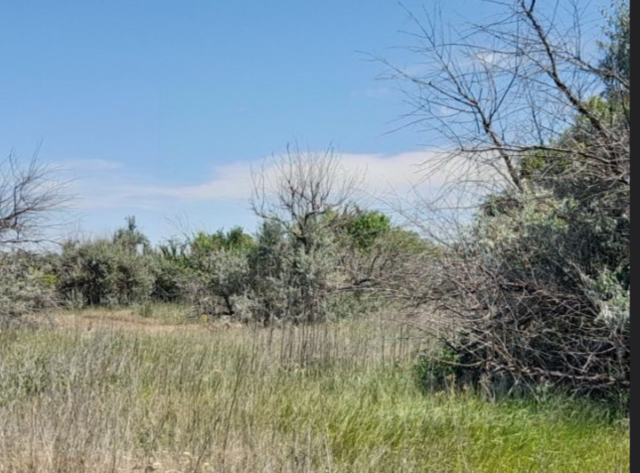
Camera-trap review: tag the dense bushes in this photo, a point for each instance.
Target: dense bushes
(536, 285)
(221, 277)
(552, 273)
(26, 285)
(103, 273)
(545, 308)
(116, 271)
(305, 271)
(298, 275)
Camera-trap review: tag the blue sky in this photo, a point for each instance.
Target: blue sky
(158, 108)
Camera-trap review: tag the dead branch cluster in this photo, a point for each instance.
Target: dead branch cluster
(525, 97)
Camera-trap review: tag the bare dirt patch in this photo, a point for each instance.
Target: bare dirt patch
(127, 320)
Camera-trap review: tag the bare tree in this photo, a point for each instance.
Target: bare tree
(299, 188)
(305, 194)
(497, 92)
(524, 97)
(30, 193)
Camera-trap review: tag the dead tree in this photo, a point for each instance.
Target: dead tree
(305, 194)
(494, 93)
(30, 195)
(501, 97)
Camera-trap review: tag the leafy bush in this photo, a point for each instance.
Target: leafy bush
(535, 286)
(168, 279)
(26, 285)
(437, 371)
(223, 276)
(102, 272)
(292, 274)
(554, 310)
(365, 228)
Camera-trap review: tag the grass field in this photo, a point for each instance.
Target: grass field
(113, 391)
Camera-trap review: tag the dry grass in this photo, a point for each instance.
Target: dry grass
(167, 319)
(117, 392)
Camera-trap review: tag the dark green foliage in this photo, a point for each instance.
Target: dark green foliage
(437, 371)
(168, 275)
(617, 48)
(204, 244)
(364, 228)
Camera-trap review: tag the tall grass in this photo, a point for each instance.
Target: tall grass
(329, 398)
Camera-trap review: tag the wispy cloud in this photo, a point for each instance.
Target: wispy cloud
(105, 192)
(114, 186)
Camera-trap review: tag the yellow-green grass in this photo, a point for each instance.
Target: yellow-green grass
(89, 397)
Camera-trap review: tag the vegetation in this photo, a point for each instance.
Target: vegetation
(537, 286)
(134, 394)
(489, 332)
(25, 287)
(103, 272)
(299, 267)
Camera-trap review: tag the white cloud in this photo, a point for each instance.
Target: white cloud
(229, 181)
(395, 183)
(381, 176)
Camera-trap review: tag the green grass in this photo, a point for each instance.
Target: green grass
(334, 398)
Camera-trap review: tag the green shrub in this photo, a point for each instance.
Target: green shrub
(437, 370)
(25, 285)
(104, 273)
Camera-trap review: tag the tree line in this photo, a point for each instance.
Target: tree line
(313, 258)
